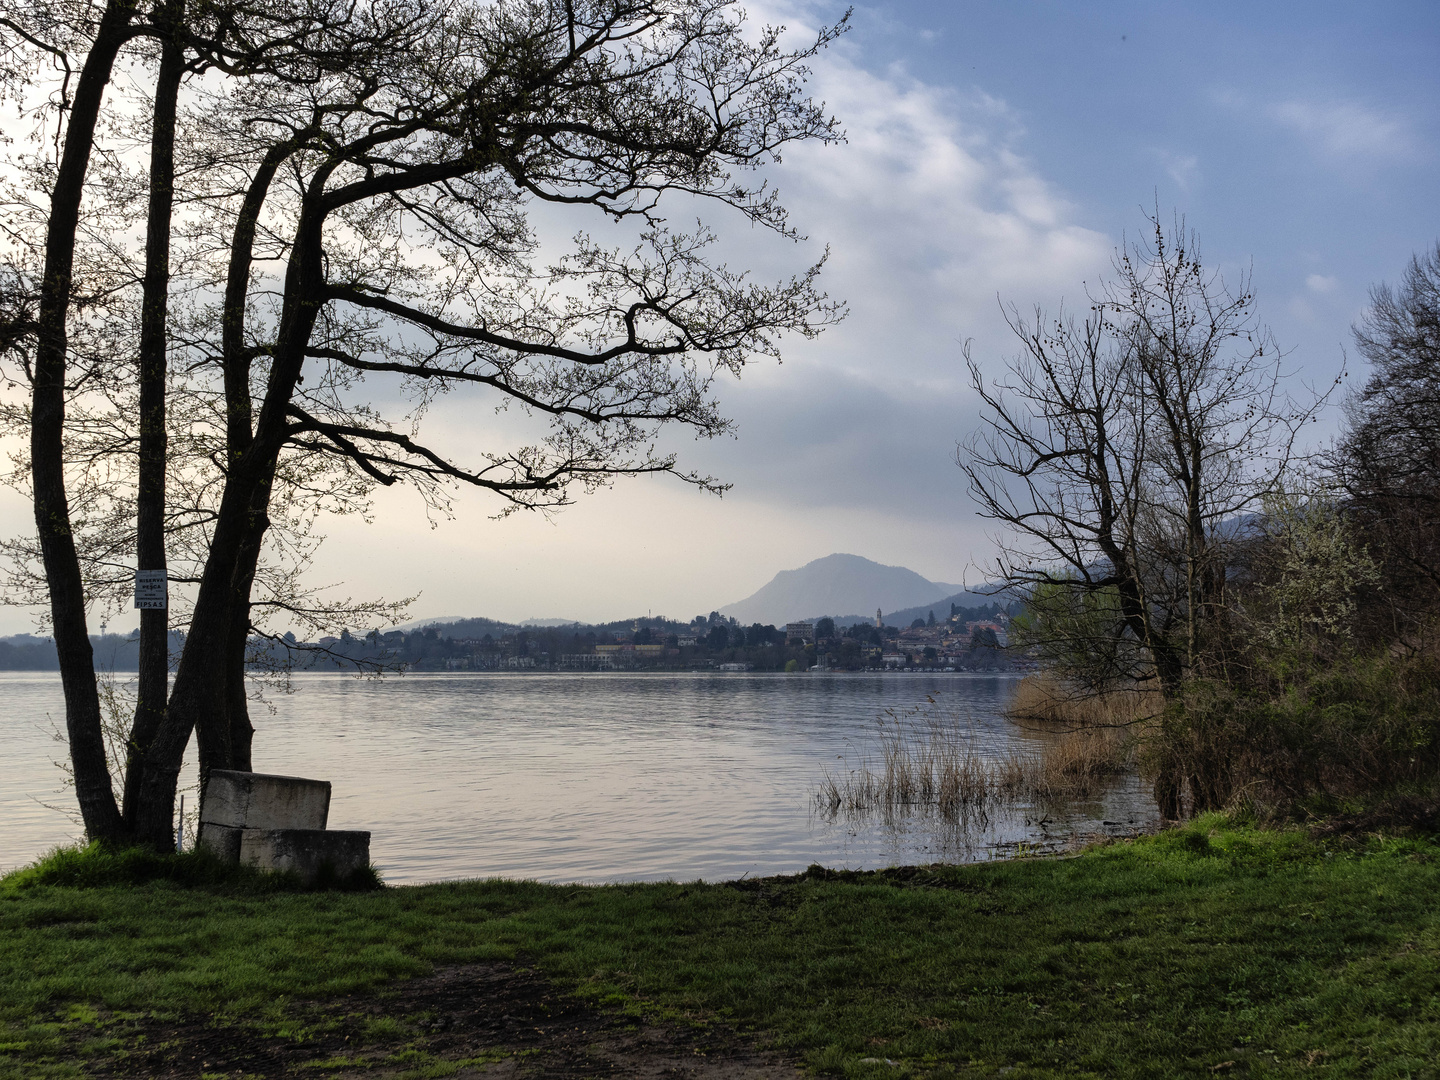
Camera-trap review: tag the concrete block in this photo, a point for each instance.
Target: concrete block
(305, 851)
(243, 800)
(223, 840)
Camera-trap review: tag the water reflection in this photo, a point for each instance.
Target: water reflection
(923, 834)
(933, 778)
(587, 777)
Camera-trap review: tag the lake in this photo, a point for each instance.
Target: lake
(585, 777)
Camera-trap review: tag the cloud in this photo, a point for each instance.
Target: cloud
(934, 216)
(1184, 169)
(1344, 130)
(931, 210)
(1319, 283)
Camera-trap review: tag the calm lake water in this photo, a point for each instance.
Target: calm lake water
(584, 777)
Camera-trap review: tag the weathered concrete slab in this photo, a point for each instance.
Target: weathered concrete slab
(223, 840)
(307, 852)
(244, 800)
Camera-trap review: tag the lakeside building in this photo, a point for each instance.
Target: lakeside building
(919, 637)
(586, 662)
(800, 631)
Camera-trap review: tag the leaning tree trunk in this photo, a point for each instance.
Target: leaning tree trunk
(93, 788)
(239, 438)
(239, 732)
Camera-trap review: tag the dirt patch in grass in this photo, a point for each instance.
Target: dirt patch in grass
(494, 1020)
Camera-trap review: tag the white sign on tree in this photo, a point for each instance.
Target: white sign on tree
(151, 590)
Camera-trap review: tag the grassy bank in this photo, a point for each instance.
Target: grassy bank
(1212, 950)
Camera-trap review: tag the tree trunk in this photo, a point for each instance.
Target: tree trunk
(154, 675)
(238, 438)
(197, 698)
(1168, 786)
(237, 703)
(93, 788)
(241, 731)
(209, 653)
(201, 694)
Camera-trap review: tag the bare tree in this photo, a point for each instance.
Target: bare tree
(86, 322)
(1121, 455)
(367, 221)
(46, 372)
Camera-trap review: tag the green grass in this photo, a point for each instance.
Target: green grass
(1164, 957)
(97, 865)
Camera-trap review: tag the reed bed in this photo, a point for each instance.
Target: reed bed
(1093, 736)
(924, 760)
(1045, 699)
(1078, 763)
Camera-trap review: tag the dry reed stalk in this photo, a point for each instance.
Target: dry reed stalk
(1078, 763)
(1044, 699)
(1095, 736)
(930, 762)
(926, 761)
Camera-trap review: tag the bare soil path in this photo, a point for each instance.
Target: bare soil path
(492, 1020)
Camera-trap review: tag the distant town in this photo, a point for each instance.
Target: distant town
(955, 639)
(960, 639)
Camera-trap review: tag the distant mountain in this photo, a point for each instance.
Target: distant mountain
(835, 584)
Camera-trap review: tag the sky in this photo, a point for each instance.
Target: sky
(995, 153)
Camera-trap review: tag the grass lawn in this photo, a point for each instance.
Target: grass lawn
(1213, 950)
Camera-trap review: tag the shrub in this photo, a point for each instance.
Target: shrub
(1362, 728)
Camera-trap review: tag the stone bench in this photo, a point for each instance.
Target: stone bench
(246, 800)
(277, 824)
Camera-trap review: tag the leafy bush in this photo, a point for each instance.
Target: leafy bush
(1355, 732)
